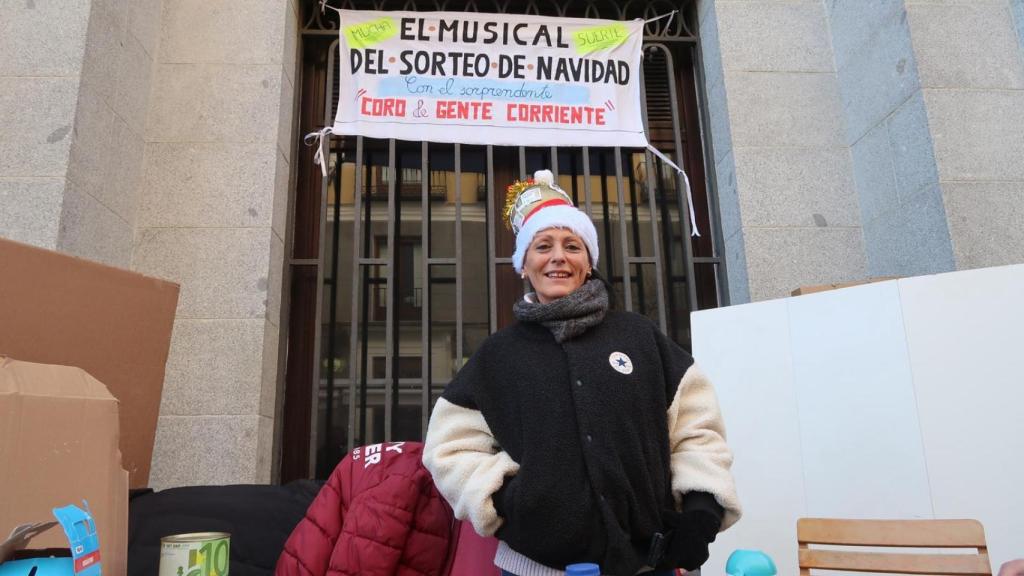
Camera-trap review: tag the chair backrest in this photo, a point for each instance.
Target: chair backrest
(897, 534)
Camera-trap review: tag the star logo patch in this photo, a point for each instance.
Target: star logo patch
(621, 363)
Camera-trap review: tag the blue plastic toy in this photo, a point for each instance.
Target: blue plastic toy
(84, 542)
(750, 563)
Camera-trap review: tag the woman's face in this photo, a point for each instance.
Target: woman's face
(557, 262)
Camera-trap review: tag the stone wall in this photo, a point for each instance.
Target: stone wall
(972, 79)
(905, 229)
(105, 164)
(35, 141)
(783, 170)
(721, 154)
(212, 216)
(856, 139)
(74, 85)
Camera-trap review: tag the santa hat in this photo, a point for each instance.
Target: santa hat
(539, 204)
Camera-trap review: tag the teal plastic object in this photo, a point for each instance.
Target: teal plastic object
(750, 563)
(38, 567)
(80, 529)
(582, 570)
(83, 538)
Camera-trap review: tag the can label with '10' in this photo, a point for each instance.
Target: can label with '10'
(198, 554)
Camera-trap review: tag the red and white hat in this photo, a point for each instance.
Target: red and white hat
(539, 204)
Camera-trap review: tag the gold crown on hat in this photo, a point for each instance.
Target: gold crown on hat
(524, 197)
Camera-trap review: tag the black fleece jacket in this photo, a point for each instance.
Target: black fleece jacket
(586, 422)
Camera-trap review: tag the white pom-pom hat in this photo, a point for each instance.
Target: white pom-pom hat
(540, 204)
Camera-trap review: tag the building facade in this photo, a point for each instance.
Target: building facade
(827, 141)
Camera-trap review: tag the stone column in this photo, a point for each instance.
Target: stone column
(35, 141)
(783, 170)
(969, 60)
(1018, 16)
(887, 129)
(213, 217)
(74, 85)
(934, 99)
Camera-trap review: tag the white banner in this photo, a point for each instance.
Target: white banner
(502, 79)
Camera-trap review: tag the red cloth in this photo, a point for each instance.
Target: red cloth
(379, 514)
(474, 554)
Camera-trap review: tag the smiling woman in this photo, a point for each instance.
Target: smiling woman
(556, 244)
(557, 263)
(580, 434)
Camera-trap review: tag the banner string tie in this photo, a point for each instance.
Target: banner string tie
(322, 138)
(669, 15)
(323, 4)
(686, 183)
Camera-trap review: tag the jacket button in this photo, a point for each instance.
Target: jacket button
(579, 383)
(590, 438)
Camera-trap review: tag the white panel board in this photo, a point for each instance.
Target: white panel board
(967, 352)
(861, 442)
(745, 351)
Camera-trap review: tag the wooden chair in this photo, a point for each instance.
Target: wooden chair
(896, 534)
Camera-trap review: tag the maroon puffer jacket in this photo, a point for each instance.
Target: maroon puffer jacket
(378, 515)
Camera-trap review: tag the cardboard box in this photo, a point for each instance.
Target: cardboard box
(114, 324)
(58, 445)
(823, 287)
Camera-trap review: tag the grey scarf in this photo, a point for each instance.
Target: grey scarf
(570, 315)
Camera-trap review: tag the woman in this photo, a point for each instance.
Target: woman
(580, 434)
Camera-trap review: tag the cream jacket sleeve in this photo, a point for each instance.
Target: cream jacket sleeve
(700, 458)
(461, 454)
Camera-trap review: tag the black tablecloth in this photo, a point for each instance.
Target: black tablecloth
(259, 519)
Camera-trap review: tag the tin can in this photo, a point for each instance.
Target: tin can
(197, 554)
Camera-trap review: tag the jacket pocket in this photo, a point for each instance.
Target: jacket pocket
(555, 523)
